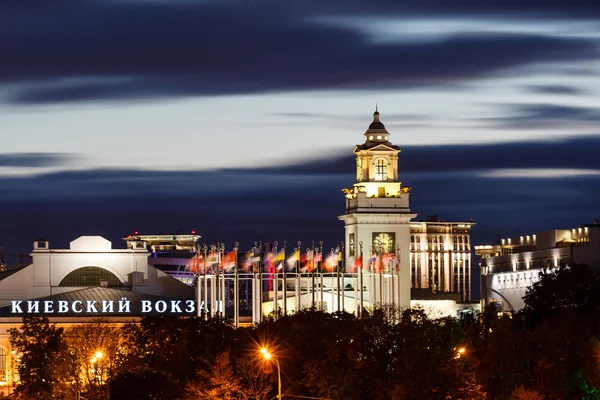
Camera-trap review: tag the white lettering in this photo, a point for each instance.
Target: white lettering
(16, 307)
(63, 306)
(108, 306)
(190, 306)
(91, 306)
(146, 306)
(48, 306)
(162, 304)
(33, 306)
(124, 305)
(75, 310)
(175, 306)
(202, 307)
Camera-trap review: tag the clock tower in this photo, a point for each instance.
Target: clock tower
(377, 206)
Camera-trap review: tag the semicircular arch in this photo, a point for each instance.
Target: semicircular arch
(503, 298)
(90, 276)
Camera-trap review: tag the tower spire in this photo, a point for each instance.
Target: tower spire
(376, 110)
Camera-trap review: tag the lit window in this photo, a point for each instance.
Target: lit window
(386, 138)
(370, 137)
(3, 377)
(381, 171)
(378, 137)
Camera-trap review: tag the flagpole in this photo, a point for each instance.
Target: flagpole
(361, 283)
(312, 290)
(321, 274)
(284, 288)
(218, 296)
(381, 266)
(397, 268)
(236, 287)
(275, 283)
(205, 249)
(337, 276)
(343, 277)
(198, 282)
(213, 294)
(297, 271)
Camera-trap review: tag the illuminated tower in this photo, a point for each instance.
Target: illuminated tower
(377, 207)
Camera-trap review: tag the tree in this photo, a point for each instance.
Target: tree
(219, 383)
(575, 287)
(525, 394)
(39, 342)
(257, 384)
(95, 350)
(143, 383)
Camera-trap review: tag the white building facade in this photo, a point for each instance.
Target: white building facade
(440, 256)
(90, 261)
(508, 269)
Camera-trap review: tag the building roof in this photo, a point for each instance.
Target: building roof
(376, 125)
(371, 145)
(99, 295)
(9, 272)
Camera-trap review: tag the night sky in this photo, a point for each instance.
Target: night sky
(238, 118)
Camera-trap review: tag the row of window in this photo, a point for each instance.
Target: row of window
(440, 239)
(516, 281)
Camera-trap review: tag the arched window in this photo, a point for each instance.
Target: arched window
(381, 170)
(3, 377)
(89, 277)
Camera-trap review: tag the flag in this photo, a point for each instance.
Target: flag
(268, 263)
(247, 263)
(307, 261)
(378, 265)
(357, 263)
(279, 256)
(229, 261)
(291, 261)
(387, 258)
(330, 262)
(195, 264)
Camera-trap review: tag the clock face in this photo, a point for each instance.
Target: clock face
(384, 242)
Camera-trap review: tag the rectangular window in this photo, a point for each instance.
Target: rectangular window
(381, 171)
(2, 365)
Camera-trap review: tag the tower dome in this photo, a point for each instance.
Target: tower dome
(376, 134)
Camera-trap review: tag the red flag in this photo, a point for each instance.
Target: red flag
(229, 261)
(195, 264)
(357, 263)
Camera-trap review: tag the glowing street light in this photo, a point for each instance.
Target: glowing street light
(459, 352)
(268, 356)
(99, 355)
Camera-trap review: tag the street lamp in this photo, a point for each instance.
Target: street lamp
(459, 352)
(268, 356)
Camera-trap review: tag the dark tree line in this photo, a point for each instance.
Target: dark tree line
(550, 350)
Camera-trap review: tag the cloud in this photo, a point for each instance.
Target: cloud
(34, 160)
(549, 173)
(554, 89)
(129, 50)
(544, 116)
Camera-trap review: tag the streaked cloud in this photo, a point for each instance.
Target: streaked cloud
(35, 160)
(549, 173)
